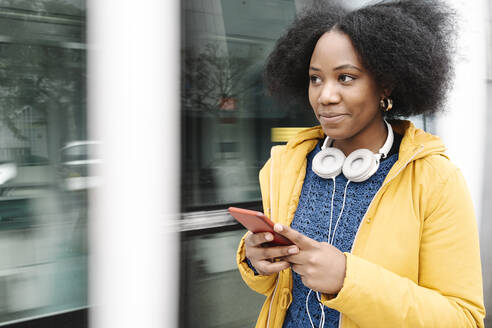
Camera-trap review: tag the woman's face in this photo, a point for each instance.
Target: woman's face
(344, 96)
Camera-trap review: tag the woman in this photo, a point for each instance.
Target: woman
(393, 244)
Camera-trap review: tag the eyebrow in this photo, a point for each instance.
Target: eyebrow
(345, 66)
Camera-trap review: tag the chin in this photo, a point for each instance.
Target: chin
(337, 133)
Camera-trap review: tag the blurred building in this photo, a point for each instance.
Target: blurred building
(43, 225)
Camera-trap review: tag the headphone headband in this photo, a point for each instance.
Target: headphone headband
(389, 141)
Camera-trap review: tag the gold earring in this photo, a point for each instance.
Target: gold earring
(386, 104)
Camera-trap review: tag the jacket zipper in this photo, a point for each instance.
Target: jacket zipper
(271, 301)
(370, 204)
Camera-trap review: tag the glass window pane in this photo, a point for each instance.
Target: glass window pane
(227, 116)
(215, 295)
(43, 217)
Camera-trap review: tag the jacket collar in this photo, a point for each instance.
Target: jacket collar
(416, 143)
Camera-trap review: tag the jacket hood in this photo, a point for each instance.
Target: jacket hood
(417, 139)
(416, 143)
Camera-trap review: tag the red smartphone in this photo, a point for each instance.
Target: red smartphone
(258, 222)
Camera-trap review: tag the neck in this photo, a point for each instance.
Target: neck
(371, 137)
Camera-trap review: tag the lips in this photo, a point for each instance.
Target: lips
(331, 117)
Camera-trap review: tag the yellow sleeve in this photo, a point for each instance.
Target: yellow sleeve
(449, 291)
(259, 283)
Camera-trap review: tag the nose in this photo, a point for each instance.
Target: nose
(329, 94)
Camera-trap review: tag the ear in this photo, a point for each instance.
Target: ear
(386, 92)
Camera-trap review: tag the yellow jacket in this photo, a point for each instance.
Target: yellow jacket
(415, 261)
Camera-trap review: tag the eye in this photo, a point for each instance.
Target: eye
(314, 79)
(345, 78)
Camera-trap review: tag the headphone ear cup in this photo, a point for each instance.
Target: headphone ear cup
(360, 165)
(328, 163)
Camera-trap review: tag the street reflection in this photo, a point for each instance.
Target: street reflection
(217, 295)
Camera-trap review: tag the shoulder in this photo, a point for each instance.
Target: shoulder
(443, 184)
(426, 151)
(276, 154)
(438, 166)
(296, 150)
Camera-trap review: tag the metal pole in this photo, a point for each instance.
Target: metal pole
(133, 62)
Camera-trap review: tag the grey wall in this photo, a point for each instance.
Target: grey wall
(486, 224)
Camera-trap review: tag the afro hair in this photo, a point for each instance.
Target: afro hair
(406, 45)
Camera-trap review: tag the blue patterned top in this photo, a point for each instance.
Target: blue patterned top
(312, 218)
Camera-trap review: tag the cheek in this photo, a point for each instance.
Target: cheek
(364, 110)
(372, 104)
(313, 99)
(372, 97)
(365, 101)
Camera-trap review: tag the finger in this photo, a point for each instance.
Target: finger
(278, 251)
(296, 258)
(260, 253)
(268, 268)
(296, 237)
(299, 269)
(256, 239)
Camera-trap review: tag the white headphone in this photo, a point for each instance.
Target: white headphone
(359, 166)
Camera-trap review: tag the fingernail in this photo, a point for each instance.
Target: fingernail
(292, 250)
(278, 227)
(269, 237)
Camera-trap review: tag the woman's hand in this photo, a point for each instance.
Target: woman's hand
(320, 265)
(263, 258)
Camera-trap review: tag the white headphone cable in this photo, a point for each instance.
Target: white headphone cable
(330, 241)
(331, 209)
(322, 319)
(341, 212)
(322, 307)
(307, 308)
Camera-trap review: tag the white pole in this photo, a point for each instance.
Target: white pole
(462, 126)
(134, 110)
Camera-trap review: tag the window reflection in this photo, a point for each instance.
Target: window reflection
(227, 117)
(228, 127)
(215, 295)
(43, 224)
